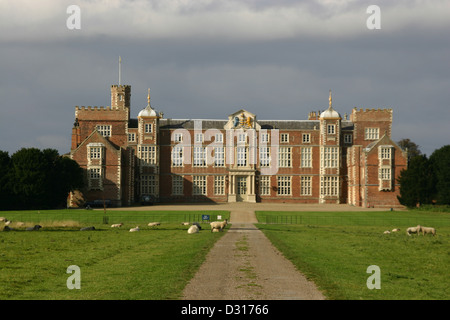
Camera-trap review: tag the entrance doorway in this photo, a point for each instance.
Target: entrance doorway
(241, 188)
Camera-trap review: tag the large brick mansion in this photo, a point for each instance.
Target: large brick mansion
(325, 159)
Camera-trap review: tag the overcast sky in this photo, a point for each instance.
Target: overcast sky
(206, 59)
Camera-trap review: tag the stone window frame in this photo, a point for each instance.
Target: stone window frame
(284, 185)
(219, 185)
(177, 185)
(264, 185)
(199, 185)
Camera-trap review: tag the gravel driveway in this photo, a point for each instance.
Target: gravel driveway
(244, 265)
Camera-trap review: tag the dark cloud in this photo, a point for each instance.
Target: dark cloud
(210, 77)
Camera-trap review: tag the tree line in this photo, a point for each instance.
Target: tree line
(42, 179)
(427, 179)
(37, 179)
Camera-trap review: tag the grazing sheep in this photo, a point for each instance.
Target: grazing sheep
(117, 225)
(154, 224)
(35, 228)
(7, 222)
(185, 223)
(220, 225)
(387, 232)
(395, 230)
(197, 224)
(135, 229)
(87, 228)
(426, 230)
(3, 219)
(413, 230)
(192, 229)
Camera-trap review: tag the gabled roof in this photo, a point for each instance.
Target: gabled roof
(96, 134)
(384, 140)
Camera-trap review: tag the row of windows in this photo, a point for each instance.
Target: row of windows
(369, 134)
(244, 138)
(105, 130)
(148, 156)
(329, 185)
(329, 156)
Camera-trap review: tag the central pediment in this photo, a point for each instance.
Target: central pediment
(242, 119)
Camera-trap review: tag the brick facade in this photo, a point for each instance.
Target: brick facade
(325, 159)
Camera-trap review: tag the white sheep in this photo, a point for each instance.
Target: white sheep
(134, 229)
(117, 225)
(387, 232)
(193, 229)
(35, 228)
(220, 225)
(185, 223)
(198, 225)
(413, 230)
(426, 230)
(154, 224)
(3, 219)
(395, 230)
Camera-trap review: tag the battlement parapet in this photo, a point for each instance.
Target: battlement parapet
(371, 110)
(371, 114)
(98, 113)
(96, 108)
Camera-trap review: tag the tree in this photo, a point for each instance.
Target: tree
(70, 177)
(416, 182)
(41, 179)
(29, 176)
(440, 164)
(413, 149)
(5, 181)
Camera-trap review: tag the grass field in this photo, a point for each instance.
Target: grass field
(335, 250)
(111, 216)
(332, 248)
(154, 264)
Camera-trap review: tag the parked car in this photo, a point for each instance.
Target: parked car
(97, 204)
(147, 200)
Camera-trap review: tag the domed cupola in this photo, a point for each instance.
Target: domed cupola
(148, 111)
(330, 113)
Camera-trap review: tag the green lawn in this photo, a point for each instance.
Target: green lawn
(155, 263)
(332, 248)
(111, 216)
(336, 253)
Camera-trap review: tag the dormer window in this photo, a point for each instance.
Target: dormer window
(306, 138)
(348, 138)
(284, 137)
